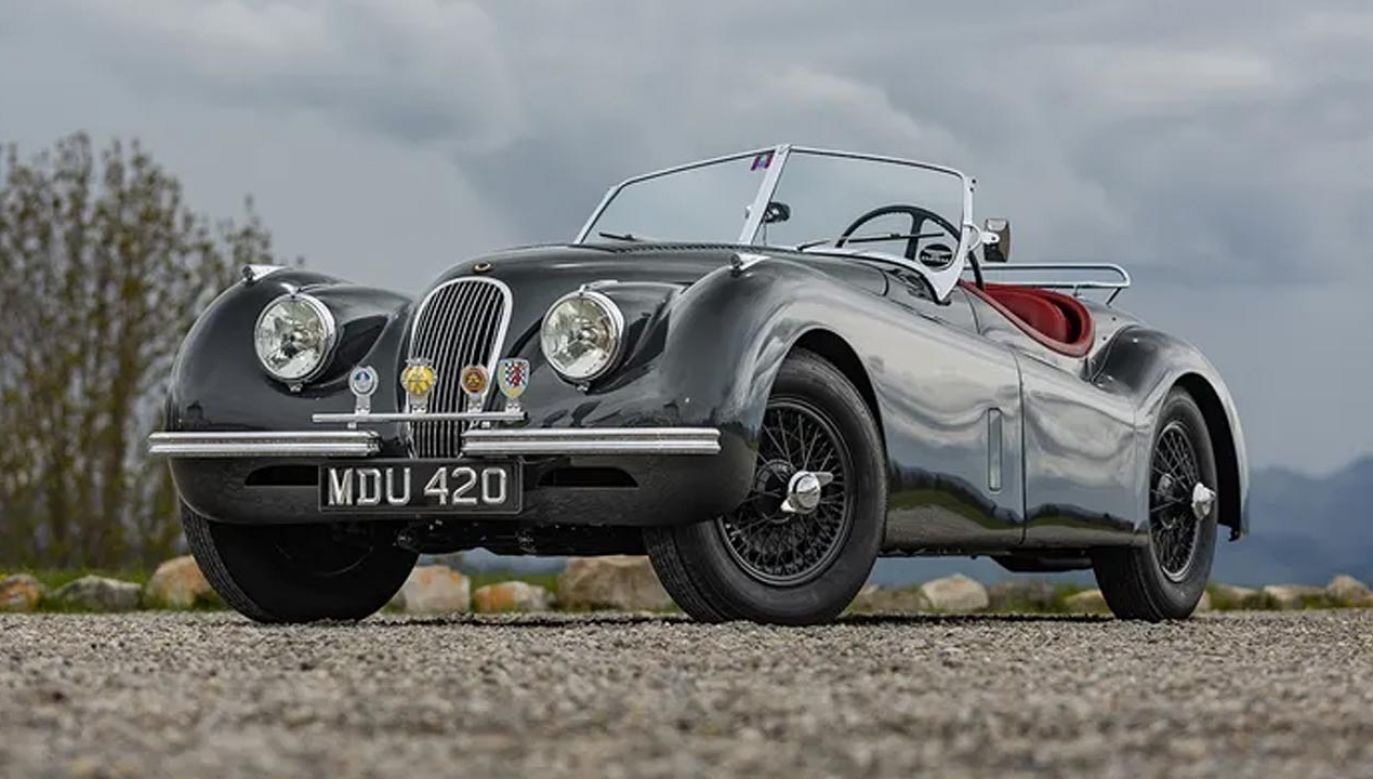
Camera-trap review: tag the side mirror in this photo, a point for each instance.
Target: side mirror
(777, 211)
(998, 250)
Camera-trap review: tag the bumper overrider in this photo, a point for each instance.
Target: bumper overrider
(613, 476)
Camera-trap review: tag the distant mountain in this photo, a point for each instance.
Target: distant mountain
(1304, 528)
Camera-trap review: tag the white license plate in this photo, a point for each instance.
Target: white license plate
(422, 486)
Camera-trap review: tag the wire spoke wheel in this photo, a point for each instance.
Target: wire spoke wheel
(1173, 525)
(770, 543)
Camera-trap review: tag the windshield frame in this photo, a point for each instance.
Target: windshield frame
(943, 280)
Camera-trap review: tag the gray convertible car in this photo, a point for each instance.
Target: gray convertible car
(763, 370)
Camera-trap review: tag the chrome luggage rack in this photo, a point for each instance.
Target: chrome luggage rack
(1075, 285)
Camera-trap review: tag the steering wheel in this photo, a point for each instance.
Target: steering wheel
(918, 217)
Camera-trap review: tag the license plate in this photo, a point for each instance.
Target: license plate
(422, 486)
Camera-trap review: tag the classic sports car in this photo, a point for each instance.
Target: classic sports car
(763, 371)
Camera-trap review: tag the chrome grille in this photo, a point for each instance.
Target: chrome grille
(461, 322)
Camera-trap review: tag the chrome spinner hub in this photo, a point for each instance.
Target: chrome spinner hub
(804, 491)
(1203, 499)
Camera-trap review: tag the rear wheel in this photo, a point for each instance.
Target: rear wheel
(804, 541)
(1166, 578)
(299, 573)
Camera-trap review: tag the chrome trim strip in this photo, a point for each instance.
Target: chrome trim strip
(295, 443)
(386, 417)
(601, 440)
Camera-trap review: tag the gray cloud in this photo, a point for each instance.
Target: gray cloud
(1223, 150)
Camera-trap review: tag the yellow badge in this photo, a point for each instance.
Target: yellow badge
(474, 380)
(418, 378)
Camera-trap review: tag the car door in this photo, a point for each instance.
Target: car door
(955, 448)
(1079, 455)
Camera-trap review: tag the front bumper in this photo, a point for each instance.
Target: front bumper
(478, 442)
(636, 477)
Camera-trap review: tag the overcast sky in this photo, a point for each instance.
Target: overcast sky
(1223, 151)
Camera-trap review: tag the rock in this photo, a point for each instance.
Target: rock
(1032, 595)
(96, 593)
(434, 589)
(1349, 592)
(511, 596)
(1086, 602)
(873, 599)
(1293, 596)
(178, 584)
(1227, 596)
(20, 592)
(955, 593)
(1204, 604)
(622, 582)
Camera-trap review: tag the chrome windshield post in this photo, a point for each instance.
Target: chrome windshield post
(758, 209)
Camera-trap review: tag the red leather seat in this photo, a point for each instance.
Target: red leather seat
(1057, 321)
(1041, 314)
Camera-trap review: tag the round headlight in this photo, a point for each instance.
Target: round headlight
(294, 337)
(581, 335)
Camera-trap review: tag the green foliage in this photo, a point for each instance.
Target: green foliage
(103, 268)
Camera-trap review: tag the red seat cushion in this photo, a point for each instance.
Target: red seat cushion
(1057, 321)
(1037, 312)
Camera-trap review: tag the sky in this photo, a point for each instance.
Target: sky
(1222, 151)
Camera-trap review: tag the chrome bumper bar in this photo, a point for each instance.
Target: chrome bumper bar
(594, 440)
(387, 417)
(303, 443)
(477, 441)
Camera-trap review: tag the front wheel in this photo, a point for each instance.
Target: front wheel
(299, 573)
(804, 541)
(1166, 578)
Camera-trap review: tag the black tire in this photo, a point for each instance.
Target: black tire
(707, 567)
(1158, 581)
(298, 573)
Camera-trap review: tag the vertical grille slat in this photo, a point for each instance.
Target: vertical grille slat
(461, 322)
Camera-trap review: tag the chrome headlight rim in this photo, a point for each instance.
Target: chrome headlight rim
(330, 337)
(617, 321)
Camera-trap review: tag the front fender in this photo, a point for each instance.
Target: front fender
(728, 334)
(217, 383)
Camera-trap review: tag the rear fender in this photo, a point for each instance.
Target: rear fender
(1151, 363)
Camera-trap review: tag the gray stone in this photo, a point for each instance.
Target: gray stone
(1346, 591)
(873, 599)
(623, 582)
(1204, 604)
(96, 593)
(1086, 602)
(955, 593)
(1032, 595)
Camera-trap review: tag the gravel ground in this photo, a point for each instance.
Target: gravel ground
(193, 694)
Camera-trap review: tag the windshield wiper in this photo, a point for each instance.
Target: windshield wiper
(868, 239)
(622, 237)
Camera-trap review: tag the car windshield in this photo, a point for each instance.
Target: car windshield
(703, 202)
(817, 198)
(797, 198)
(873, 205)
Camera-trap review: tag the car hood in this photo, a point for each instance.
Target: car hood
(537, 276)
